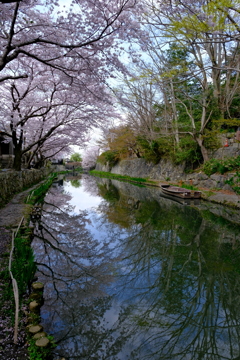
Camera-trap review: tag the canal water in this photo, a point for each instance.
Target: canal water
(130, 274)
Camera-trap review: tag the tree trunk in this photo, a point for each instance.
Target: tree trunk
(17, 159)
(204, 152)
(175, 116)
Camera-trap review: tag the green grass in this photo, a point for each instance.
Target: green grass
(38, 194)
(187, 186)
(40, 353)
(209, 193)
(234, 182)
(78, 169)
(23, 269)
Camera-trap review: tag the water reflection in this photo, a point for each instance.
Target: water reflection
(136, 275)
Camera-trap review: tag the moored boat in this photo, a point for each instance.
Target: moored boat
(180, 192)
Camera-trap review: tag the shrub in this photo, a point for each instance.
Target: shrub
(188, 151)
(234, 182)
(222, 166)
(210, 167)
(110, 157)
(149, 150)
(154, 150)
(211, 139)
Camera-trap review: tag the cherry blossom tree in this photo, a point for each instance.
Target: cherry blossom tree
(78, 48)
(80, 39)
(43, 114)
(9, 1)
(90, 156)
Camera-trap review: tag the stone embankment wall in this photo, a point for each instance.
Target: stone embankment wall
(6, 161)
(133, 196)
(12, 182)
(166, 171)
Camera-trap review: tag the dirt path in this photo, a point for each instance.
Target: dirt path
(11, 214)
(10, 217)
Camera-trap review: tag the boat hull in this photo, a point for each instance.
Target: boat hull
(180, 192)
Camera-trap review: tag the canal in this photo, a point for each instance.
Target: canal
(130, 274)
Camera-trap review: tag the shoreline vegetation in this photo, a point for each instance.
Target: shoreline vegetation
(140, 181)
(212, 195)
(145, 181)
(211, 167)
(18, 268)
(121, 177)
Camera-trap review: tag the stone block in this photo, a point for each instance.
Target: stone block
(42, 342)
(209, 184)
(34, 306)
(220, 179)
(39, 335)
(13, 182)
(201, 176)
(227, 187)
(34, 329)
(37, 286)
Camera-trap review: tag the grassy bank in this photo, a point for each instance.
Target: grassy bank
(120, 177)
(37, 195)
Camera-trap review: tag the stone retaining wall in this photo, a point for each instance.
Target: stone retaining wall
(164, 170)
(6, 161)
(226, 152)
(167, 171)
(12, 182)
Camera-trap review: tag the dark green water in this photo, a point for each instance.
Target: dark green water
(132, 275)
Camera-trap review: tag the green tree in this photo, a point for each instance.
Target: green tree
(194, 52)
(120, 142)
(76, 157)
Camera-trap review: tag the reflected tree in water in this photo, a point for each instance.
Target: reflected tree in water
(153, 280)
(193, 300)
(75, 269)
(192, 284)
(75, 183)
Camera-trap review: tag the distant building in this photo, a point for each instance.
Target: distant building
(6, 153)
(6, 148)
(57, 161)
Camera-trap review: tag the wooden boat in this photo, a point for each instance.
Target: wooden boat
(182, 201)
(180, 192)
(175, 199)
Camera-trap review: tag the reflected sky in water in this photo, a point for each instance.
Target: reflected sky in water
(129, 274)
(80, 199)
